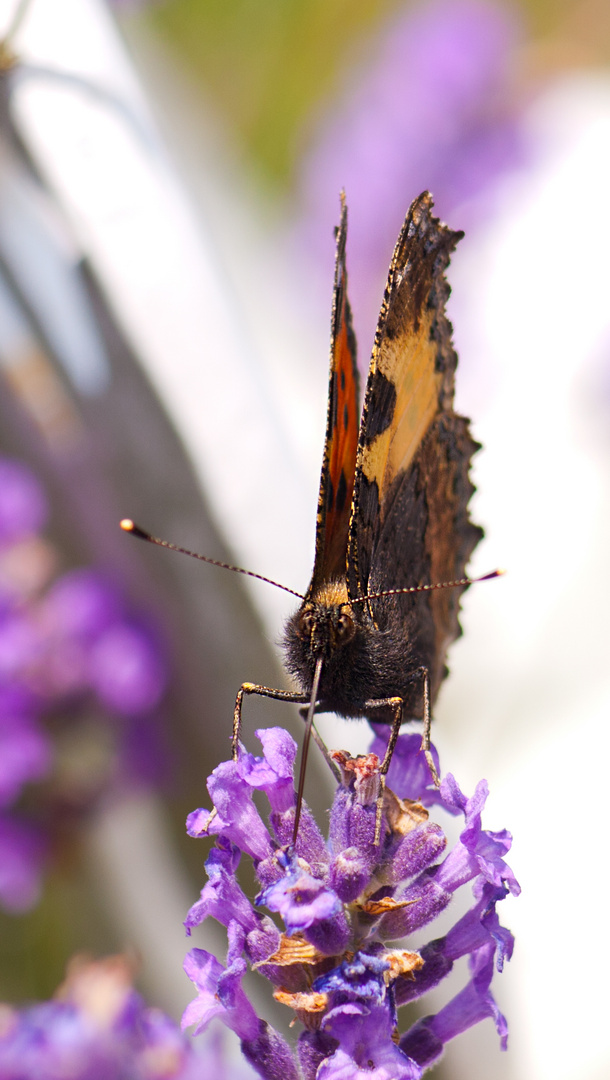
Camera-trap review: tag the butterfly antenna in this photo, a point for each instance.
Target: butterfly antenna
(309, 724)
(129, 526)
(428, 588)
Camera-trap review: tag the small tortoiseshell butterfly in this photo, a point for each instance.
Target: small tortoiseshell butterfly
(371, 635)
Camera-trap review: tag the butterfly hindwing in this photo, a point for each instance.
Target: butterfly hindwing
(339, 462)
(409, 522)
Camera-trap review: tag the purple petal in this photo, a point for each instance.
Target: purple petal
(300, 899)
(422, 1044)
(366, 1050)
(480, 926)
(456, 802)
(237, 817)
(489, 852)
(272, 773)
(465, 1010)
(221, 897)
(503, 939)
(236, 1012)
(478, 851)
(457, 868)
(197, 823)
(279, 749)
(409, 776)
(473, 1004)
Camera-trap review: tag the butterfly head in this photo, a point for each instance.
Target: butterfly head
(325, 621)
(322, 627)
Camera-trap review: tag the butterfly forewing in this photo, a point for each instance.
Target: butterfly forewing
(409, 522)
(338, 467)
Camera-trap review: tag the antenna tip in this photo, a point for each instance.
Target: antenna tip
(130, 526)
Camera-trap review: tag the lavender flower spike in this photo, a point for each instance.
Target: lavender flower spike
(344, 903)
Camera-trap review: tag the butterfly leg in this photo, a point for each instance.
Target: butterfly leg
(395, 704)
(425, 739)
(424, 674)
(263, 691)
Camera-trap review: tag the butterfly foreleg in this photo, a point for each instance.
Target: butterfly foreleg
(425, 739)
(395, 704)
(424, 674)
(263, 691)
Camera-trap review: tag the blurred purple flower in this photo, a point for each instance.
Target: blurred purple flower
(68, 648)
(22, 861)
(342, 902)
(81, 604)
(97, 1028)
(26, 751)
(433, 109)
(125, 670)
(23, 506)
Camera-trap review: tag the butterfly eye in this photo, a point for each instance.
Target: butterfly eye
(345, 627)
(306, 624)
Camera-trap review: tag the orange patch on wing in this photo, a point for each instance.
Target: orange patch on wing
(342, 429)
(409, 365)
(344, 436)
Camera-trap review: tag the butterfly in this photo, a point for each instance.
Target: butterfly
(393, 501)
(371, 634)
